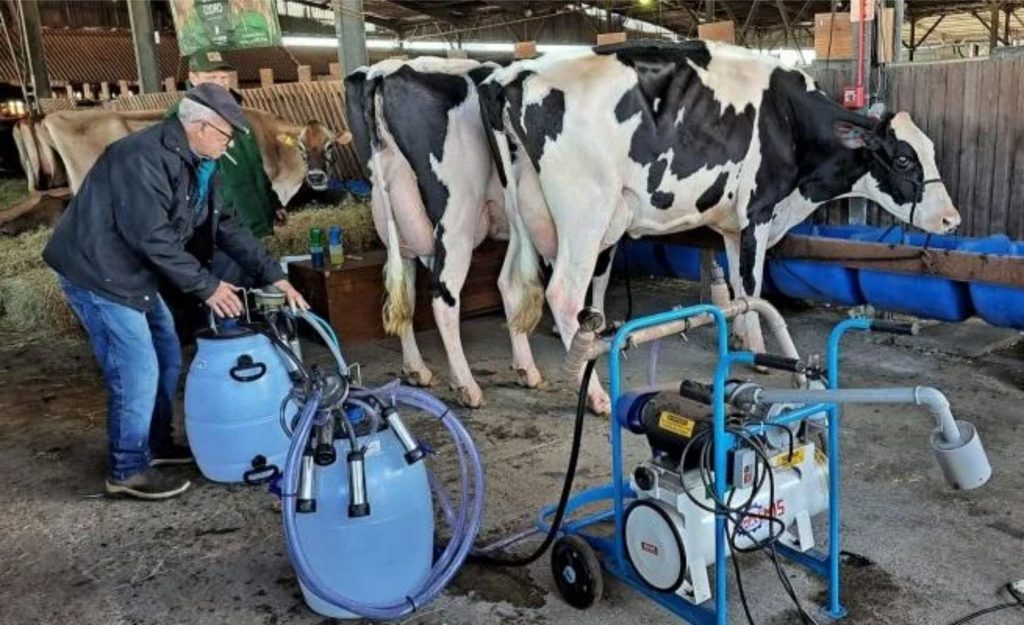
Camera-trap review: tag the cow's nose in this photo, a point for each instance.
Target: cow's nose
(950, 222)
(317, 179)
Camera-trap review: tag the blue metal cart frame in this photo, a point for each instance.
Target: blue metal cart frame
(611, 551)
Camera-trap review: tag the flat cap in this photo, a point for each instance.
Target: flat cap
(221, 102)
(208, 61)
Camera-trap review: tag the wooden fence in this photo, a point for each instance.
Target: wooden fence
(298, 103)
(973, 111)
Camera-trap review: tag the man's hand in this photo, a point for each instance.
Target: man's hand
(225, 302)
(294, 298)
(280, 217)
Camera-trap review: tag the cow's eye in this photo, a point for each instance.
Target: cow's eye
(902, 162)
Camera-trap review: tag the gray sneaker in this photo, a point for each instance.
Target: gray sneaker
(148, 485)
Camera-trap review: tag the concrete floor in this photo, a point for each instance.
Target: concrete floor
(925, 555)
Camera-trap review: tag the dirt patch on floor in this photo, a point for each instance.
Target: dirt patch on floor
(499, 584)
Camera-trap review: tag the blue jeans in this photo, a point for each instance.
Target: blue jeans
(141, 362)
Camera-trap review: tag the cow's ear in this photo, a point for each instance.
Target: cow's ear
(853, 137)
(287, 138)
(343, 138)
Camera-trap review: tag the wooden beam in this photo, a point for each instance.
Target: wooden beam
(746, 22)
(927, 32)
(267, 77)
(960, 266)
(994, 33)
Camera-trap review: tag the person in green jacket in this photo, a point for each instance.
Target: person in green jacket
(243, 181)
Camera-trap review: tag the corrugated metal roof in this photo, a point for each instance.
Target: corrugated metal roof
(93, 55)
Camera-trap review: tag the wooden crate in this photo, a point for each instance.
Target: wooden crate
(833, 39)
(351, 298)
(717, 31)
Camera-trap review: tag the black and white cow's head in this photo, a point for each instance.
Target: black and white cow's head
(902, 176)
(318, 146)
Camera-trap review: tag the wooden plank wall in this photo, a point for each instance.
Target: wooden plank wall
(973, 111)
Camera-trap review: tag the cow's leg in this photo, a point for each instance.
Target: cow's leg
(566, 294)
(523, 299)
(746, 253)
(450, 277)
(414, 369)
(602, 277)
(598, 285)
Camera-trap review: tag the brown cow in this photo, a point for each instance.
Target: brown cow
(63, 146)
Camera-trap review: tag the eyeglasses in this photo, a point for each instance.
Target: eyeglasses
(230, 138)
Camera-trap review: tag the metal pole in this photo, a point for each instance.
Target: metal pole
(351, 31)
(140, 12)
(32, 37)
(897, 31)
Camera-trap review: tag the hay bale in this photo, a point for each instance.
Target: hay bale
(23, 253)
(354, 218)
(34, 306)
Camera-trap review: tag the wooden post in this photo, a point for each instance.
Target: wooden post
(335, 70)
(266, 77)
(104, 90)
(305, 73)
(233, 79)
(70, 91)
(87, 92)
(913, 43)
(170, 84)
(123, 90)
(993, 39)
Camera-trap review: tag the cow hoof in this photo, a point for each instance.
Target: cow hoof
(529, 377)
(422, 377)
(469, 397)
(599, 403)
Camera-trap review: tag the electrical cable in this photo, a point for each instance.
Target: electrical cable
(563, 501)
(739, 514)
(1019, 603)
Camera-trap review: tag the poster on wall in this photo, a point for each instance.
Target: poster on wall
(225, 24)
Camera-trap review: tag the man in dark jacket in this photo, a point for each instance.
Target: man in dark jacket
(126, 229)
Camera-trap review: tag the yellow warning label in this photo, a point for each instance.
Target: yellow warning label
(677, 424)
(784, 461)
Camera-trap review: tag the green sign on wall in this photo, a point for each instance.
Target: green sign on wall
(225, 24)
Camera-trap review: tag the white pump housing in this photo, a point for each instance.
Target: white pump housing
(670, 541)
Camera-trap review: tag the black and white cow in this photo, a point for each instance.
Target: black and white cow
(645, 138)
(417, 128)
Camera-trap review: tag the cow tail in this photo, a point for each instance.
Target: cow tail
(492, 111)
(397, 312)
(525, 275)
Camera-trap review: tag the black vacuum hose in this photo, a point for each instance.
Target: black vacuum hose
(563, 501)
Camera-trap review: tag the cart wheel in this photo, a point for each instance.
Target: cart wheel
(577, 572)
